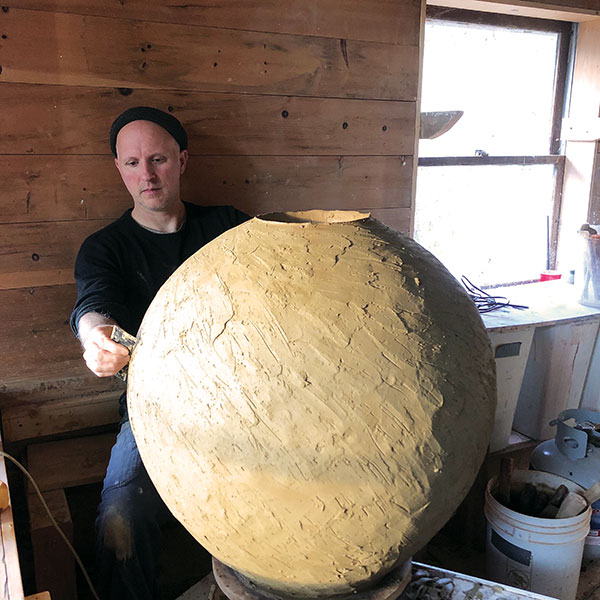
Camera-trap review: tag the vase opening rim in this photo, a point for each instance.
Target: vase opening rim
(315, 217)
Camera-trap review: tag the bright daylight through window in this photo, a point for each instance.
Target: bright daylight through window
(488, 198)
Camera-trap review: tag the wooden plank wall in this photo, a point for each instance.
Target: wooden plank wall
(290, 104)
(582, 176)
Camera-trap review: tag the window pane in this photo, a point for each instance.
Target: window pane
(486, 222)
(503, 80)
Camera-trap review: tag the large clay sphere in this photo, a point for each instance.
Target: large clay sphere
(312, 395)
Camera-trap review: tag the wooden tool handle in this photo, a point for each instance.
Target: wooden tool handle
(506, 469)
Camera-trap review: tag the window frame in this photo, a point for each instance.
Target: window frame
(566, 37)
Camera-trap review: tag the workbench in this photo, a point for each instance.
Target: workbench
(547, 358)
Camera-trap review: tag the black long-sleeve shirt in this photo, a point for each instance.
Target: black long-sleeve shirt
(120, 268)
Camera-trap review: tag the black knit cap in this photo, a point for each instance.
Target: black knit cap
(147, 113)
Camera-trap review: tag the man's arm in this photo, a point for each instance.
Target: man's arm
(102, 356)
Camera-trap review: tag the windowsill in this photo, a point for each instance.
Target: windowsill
(549, 302)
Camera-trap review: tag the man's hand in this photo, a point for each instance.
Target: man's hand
(102, 356)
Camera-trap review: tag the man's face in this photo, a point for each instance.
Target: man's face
(150, 164)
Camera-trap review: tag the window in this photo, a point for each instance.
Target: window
(488, 191)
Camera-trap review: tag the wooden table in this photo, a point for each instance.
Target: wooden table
(543, 355)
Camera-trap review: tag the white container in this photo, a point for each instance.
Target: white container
(588, 281)
(541, 555)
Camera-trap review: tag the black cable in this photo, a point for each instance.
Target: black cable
(485, 302)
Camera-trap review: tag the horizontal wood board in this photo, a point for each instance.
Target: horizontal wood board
(41, 254)
(41, 419)
(37, 345)
(50, 48)
(63, 188)
(87, 458)
(588, 6)
(573, 11)
(392, 22)
(54, 119)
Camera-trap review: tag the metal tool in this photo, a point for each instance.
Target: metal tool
(125, 339)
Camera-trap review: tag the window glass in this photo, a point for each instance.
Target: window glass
(503, 80)
(486, 222)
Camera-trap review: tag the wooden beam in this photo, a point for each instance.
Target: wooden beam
(594, 207)
(396, 218)
(393, 22)
(449, 161)
(575, 11)
(86, 457)
(31, 420)
(580, 171)
(217, 124)
(73, 50)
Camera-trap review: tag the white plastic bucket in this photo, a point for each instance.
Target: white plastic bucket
(540, 555)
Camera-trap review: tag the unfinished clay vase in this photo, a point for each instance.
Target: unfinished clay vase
(312, 394)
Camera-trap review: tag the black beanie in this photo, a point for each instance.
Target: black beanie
(147, 113)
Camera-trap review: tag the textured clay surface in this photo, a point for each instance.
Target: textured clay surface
(312, 399)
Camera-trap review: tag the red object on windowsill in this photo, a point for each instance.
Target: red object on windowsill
(549, 275)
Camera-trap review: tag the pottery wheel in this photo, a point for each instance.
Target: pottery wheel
(235, 586)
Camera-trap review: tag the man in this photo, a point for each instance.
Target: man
(118, 271)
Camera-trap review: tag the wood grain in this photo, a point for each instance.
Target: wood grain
(45, 386)
(37, 345)
(396, 218)
(289, 105)
(43, 47)
(393, 22)
(578, 203)
(50, 119)
(87, 458)
(559, 10)
(40, 596)
(30, 420)
(268, 184)
(41, 254)
(60, 188)
(554, 376)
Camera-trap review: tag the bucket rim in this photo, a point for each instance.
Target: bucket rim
(521, 475)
